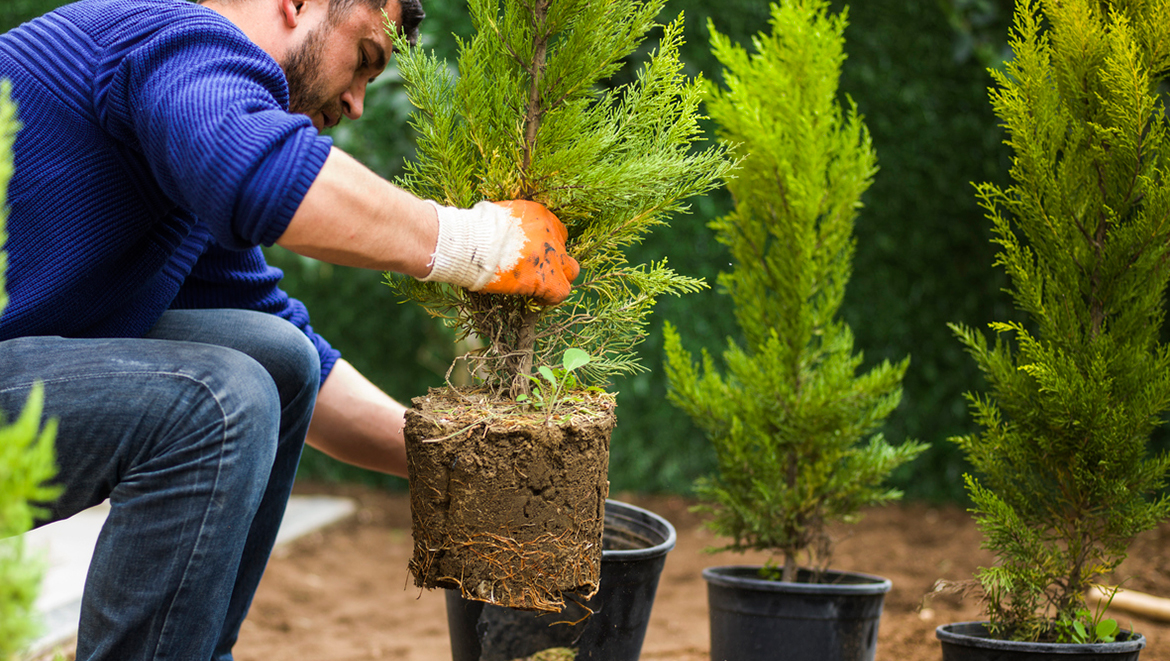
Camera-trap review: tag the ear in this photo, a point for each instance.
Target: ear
(290, 11)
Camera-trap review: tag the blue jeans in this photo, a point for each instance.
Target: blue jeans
(194, 434)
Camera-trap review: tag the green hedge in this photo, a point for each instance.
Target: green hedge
(15, 12)
(924, 256)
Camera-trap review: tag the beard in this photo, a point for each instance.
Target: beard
(302, 69)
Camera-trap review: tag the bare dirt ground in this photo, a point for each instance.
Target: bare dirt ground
(344, 593)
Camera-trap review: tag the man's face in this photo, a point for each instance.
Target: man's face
(330, 68)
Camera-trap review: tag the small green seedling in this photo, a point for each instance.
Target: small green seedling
(1092, 628)
(559, 380)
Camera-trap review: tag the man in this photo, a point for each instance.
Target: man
(163, 142)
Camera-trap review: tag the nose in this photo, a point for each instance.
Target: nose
(353, 100)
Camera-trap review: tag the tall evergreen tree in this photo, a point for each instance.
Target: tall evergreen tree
(1084, 235)
(524, 118)
(786, 417)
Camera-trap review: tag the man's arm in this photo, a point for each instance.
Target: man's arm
(352, 217)
(357, 423)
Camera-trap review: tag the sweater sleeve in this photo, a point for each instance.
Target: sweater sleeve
(242, 279)
(208, 110)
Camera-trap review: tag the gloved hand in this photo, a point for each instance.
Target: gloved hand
(512, 247)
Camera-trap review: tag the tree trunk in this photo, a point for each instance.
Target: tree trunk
(790, 567)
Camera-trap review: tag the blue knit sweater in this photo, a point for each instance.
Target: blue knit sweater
(156, 156)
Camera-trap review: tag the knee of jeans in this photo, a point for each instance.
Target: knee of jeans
(303, 359)
(242, 394)
(286, 352)
(218, 425)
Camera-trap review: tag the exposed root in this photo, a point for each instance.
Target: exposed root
(586, 616)
(526, 575)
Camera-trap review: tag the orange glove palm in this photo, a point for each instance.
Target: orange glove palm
(514, 247)
(541, 268)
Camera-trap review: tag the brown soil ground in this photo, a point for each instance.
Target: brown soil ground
(345, 594)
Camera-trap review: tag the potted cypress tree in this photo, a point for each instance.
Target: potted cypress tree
(1064, 477)
(26, 460)
(508, 477)
(788, 416)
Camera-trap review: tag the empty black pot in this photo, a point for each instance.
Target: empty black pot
(634, 546)
(753, 619)
(969, 641)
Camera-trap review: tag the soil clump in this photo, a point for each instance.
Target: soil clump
(507, 500)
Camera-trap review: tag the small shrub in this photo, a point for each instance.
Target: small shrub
(787, 416)
(1064, 481)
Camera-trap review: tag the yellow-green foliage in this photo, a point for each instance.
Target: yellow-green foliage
(527, 117)
(26, 461)
(9, 125)
(790, 416)
(1064, 480)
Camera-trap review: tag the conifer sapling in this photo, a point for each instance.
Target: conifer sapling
(788, 414)
(508, 486)
(1074, 392)
(528, 117)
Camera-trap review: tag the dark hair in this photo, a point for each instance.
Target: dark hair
(412, 14)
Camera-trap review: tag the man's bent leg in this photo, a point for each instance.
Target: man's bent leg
(292, 362)
(181, 438)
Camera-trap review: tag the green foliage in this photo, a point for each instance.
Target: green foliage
(921, 242)
(919, 69)
(525, 118)
(922, 245)
(788, 418)
(26, 459)
(1074, 395)
(9, 125)
(1090, 627)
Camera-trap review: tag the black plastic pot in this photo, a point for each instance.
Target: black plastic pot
(753, 619)
(634, 547)
(969, 641)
